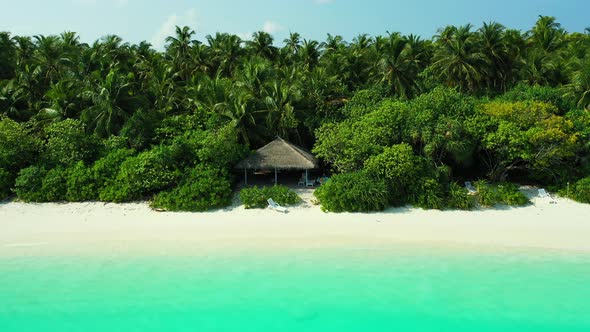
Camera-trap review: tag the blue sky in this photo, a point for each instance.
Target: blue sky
(152, 20)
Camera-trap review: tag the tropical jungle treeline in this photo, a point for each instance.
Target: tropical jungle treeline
(399, 119)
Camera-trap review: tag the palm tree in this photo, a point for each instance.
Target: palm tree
(361, 61)
(579, 88)
(7, 56)
(237, 109)
(179, 49)
(63, 99)
(334, 56)
(546, 35)
(112, 102)
(400, 62)
(226, 52)
(495, 50)
(458, 58)
(292, 45)
(279, 106)
(309, 54)
(252, 76)
(261, 45)
(50, 58)
(25, 49)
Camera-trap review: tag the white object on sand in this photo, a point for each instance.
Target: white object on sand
(276, 206)
(545, 195)
(470, 188)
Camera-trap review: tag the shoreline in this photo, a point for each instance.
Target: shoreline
(94, 228)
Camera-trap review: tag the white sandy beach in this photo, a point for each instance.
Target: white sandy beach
(74, 228)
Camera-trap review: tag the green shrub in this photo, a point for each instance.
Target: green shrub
(400, 168)
(105, 169)
(353, 192)
(53, 186)
(6, 183)
(140, 129)
(546, 94)
(257, 198)
(204, 188)
(28, 184)
(580, 191)
(429, 195)
(113, 143)
(501, 193)
(510, 195)
(459, 198)
(18, 147)
(67, 143)
(81, 184)
(145, 174)
(486, 195)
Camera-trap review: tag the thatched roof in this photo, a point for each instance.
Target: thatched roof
(279, 154)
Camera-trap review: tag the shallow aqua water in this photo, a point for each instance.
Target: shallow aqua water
(403, 289)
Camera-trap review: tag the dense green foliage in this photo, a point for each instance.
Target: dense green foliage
(403, 116)
(6, 181)
(353, 192)
(28, 186)
(580, 191)
(499, 193)
(202, 188)
(257, 198)
(459, 198)
(67, 143)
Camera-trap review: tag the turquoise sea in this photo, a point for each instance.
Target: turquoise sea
(373, 289)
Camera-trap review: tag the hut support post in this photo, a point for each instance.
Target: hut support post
(306, 177)
(276, 177)
(245, 176)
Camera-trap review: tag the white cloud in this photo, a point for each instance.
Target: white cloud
(168, 28)
(271, 27)
(323, 2)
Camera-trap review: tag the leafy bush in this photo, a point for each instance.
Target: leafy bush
(81, 184)
(6, 182)
(510, 195)
(486, 195)
(429, 194)
(18, 147)
(105, 169)
(140, 129)
(580, 191)
(28, 184)
(257, 198)
(67, 143)
(501, 193)
(353, 192)
(53, 186)
(142, 175)
(204, 188)
(363, 102)
(400, 168)
(348, 144)
(546, 94)
(459, 198)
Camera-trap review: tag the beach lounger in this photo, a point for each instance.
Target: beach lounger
(545, 195)
(275, 206)
(310, 183)
(470, 188)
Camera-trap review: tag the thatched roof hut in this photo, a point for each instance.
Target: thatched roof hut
(279, 154)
